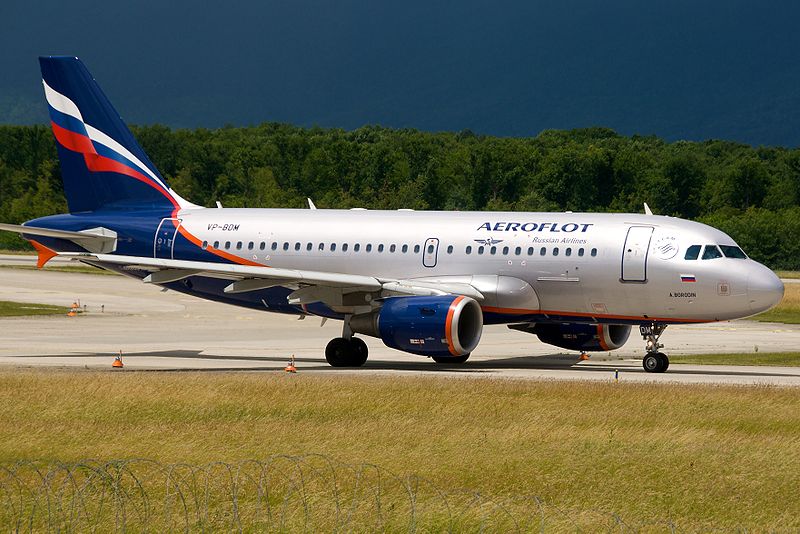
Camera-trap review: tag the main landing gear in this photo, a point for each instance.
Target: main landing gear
(346, 351)
(654, 361)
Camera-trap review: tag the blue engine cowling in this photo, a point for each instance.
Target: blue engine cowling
(579, 336)
(447, 325)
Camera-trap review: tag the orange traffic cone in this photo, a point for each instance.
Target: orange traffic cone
(584, 356)
(118, 361)
(290, 368)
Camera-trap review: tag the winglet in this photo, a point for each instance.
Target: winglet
(647, 209)
(45, 254)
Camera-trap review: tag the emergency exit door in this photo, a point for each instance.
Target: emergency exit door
(430, 252)
(634, 255)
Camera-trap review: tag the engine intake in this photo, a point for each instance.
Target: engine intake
(446, 325)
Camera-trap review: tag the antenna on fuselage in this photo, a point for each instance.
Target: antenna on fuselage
(311, 204)
(219, 204)
(647, 210)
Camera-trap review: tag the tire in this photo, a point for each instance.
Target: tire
(450, 359)
(655, 362)
(342, 352)
(360, 352)
(337, 352)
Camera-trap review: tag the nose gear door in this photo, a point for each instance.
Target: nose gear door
(634, 254)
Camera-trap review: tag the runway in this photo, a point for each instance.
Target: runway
(169, 331)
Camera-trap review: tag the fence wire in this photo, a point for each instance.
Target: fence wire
(310, 493)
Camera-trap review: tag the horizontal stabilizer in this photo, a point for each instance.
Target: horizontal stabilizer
(97, 240)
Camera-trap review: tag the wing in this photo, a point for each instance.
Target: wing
(343, 292)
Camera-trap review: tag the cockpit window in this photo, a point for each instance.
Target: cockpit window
(733, 252)
(692, 252)
(711, 252)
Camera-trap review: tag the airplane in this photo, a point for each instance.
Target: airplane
(425, 283)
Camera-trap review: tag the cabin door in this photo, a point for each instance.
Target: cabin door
(164, 241)
(634, 255)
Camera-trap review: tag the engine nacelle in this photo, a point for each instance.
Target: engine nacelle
(445, 325)
(578, 336)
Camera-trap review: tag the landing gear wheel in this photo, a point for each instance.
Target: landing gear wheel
(450, 359)
(342, 352)
(655, 362)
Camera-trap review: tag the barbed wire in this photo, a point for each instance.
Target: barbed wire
(308, 493)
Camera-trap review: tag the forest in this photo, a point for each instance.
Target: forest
(752, 193)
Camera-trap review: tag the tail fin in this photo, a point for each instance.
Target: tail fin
(102, 165)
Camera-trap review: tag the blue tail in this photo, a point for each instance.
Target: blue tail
(102, 165)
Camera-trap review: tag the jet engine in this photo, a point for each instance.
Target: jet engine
(579, 336)
(447, 325)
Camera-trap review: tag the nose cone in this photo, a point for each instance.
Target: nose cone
(764, 289)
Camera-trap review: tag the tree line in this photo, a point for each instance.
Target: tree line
(751, 193)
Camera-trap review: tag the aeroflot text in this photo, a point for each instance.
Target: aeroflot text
(533, 227)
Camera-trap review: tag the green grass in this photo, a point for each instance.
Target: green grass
(790, 359)
(704, 457)
(17, 309)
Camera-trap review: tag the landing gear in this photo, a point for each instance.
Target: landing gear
(654, 361)
(342, 352)
(450, 359)
(346, 351)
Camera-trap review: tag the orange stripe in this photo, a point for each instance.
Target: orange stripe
(449, 324)
(518, 311)
(222, 254)
(601, 338)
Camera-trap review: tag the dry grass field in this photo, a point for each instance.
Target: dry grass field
(788, 311)
(700, 456)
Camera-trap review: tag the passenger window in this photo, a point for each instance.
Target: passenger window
(369, 247)
(344, 247)
(530, 251)
(262, 246)
(430, 249)
(580, 252)
(469, 250)
(543, 251)
(493, 251)
(392, 247)
(405, 249)
(449, 249)
(594, 252)
(250, 245)
(711, 252)
(518, 251)
(227, 245)
(275, 245)
(297, 246)
(505, 251)
(321, 246)
(216, 244)
(692, 252)
(356, 247)
(480, 250)
(285, 245)
(309, 247)
(205, 245)
(416, 249)
(568, 252)
(333, 247)
(380, 247)
(731, 251)
(239, 245)
(555, 251)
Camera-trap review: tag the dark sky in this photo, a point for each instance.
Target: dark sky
(678, 69)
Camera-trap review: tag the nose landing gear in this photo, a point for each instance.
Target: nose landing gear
(654, 361)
